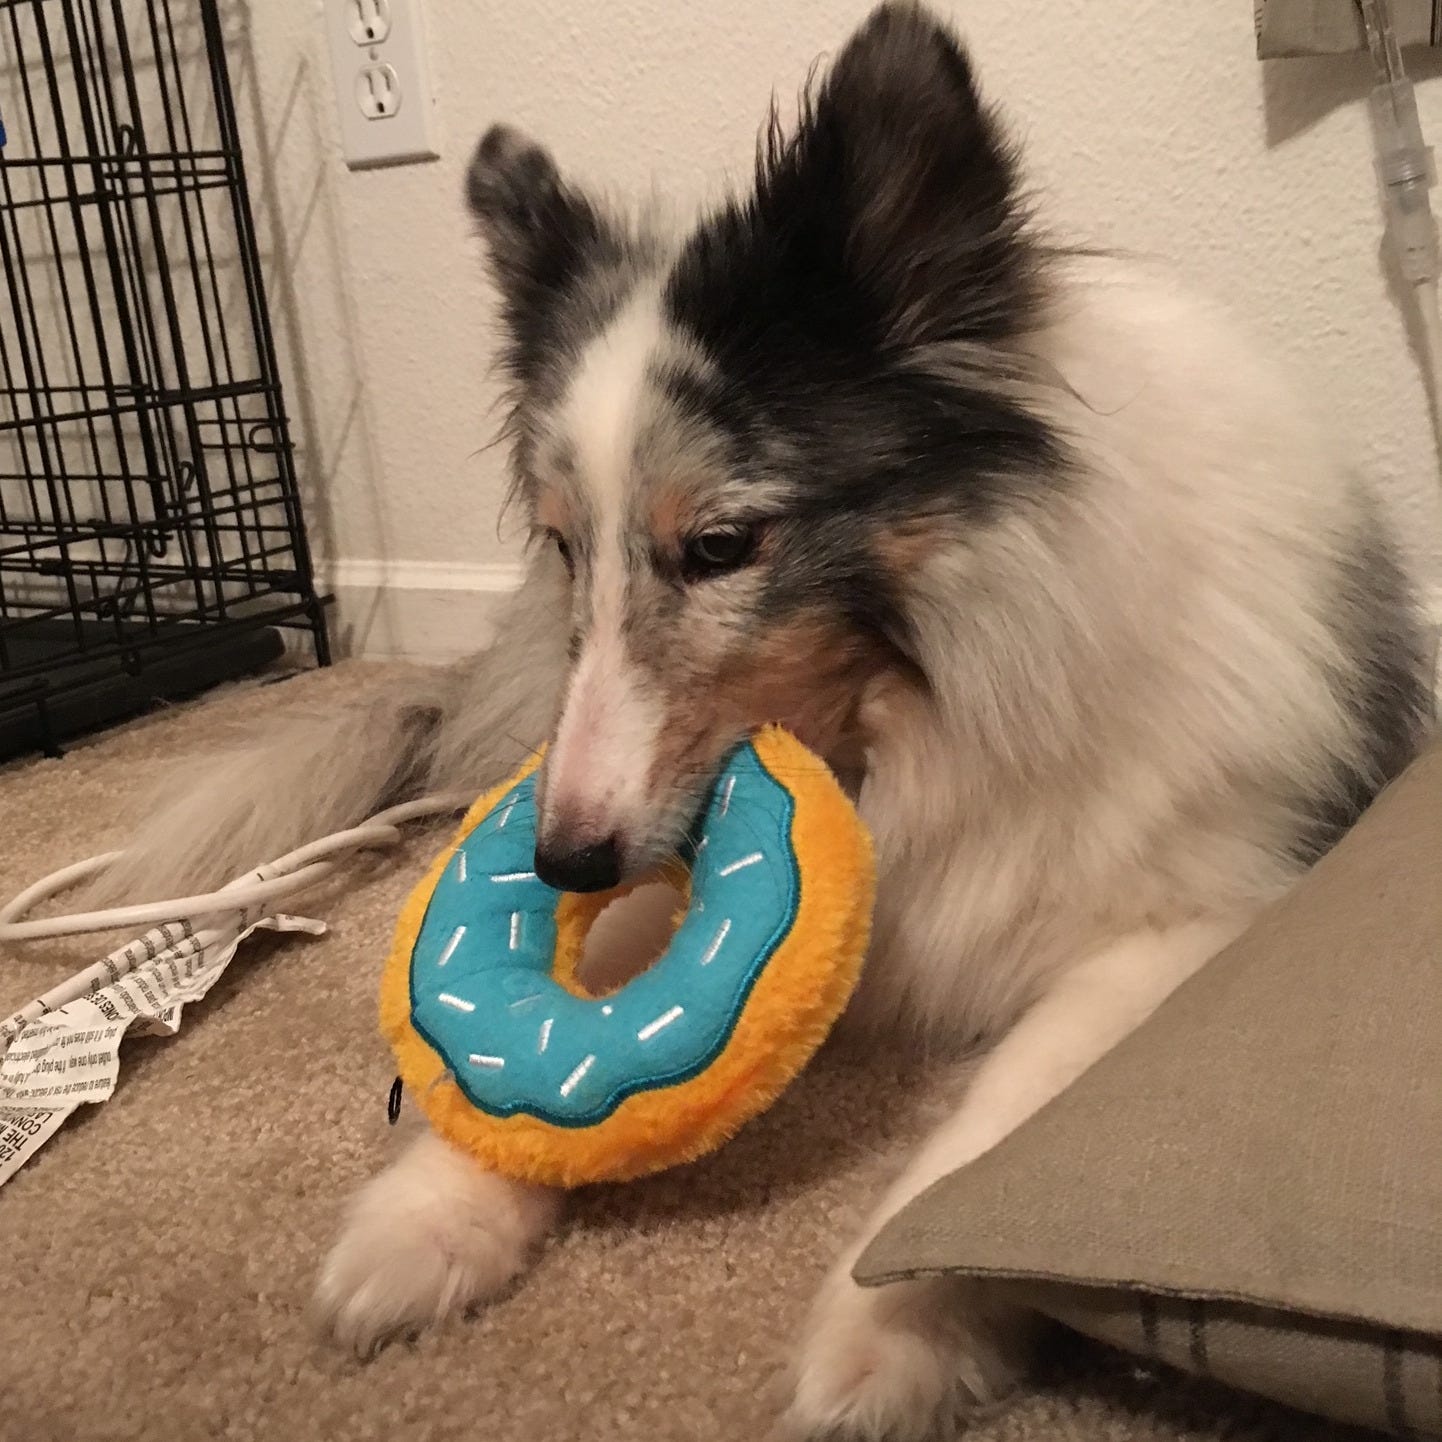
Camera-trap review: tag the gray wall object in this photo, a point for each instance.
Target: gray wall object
(1334, 27)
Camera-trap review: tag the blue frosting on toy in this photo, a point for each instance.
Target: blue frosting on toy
(515, 1040)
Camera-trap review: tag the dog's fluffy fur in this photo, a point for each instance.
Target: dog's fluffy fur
(1051, 564)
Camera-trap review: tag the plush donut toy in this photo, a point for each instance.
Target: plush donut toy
(513, 1060)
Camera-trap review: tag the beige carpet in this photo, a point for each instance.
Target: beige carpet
(158, 1255)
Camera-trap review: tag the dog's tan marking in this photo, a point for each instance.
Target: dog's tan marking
(902, 548)
(807, 675)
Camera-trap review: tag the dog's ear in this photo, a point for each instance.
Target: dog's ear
(901, 183)
(542, 233)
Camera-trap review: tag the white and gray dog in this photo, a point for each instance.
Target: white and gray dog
(1055, 569)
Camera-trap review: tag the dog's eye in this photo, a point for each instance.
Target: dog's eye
(563, 546)
(713, 553)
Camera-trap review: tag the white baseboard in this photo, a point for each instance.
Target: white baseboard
(429, 611)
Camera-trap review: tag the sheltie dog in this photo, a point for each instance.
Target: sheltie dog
(1059, 574)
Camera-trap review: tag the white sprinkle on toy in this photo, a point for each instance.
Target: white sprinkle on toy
(744, 861)
(574, 1080)
(451, 946)
(709, 955)
(664, 1020)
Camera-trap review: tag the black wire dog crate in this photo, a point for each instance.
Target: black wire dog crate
(151, 536)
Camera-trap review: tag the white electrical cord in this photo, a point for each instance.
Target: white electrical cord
(203, 921)
(296, 871)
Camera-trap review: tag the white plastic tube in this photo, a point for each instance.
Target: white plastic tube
(1406, 174)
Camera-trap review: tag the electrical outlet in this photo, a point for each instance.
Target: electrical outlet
(382, 82)
(378, 92)
(368, 21)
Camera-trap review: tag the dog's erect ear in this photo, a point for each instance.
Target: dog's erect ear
(542, 233)
(901, 178)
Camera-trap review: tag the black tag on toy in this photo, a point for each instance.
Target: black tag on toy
(393, 1103)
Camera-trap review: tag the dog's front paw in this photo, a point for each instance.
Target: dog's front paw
(430, 1237)
(908, 1362)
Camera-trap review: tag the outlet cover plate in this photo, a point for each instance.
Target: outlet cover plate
(408, 132)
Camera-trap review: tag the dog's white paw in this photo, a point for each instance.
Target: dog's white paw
(908, 1362)
(430, 1237)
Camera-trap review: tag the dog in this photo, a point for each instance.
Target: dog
(1042, 554)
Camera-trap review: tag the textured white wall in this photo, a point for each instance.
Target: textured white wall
(1150, 126)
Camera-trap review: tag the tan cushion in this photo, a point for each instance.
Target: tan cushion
(1251, 1185)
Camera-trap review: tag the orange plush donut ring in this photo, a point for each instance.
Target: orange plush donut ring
(512, 1060)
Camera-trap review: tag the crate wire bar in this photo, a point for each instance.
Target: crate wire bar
(151, 535)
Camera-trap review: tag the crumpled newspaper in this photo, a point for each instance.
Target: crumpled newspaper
(56, 1058)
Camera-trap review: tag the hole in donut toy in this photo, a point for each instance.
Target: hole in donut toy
(629, 936)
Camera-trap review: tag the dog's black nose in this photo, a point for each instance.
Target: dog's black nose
(591, 868)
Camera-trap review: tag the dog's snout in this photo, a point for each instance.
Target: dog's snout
(596, 867)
